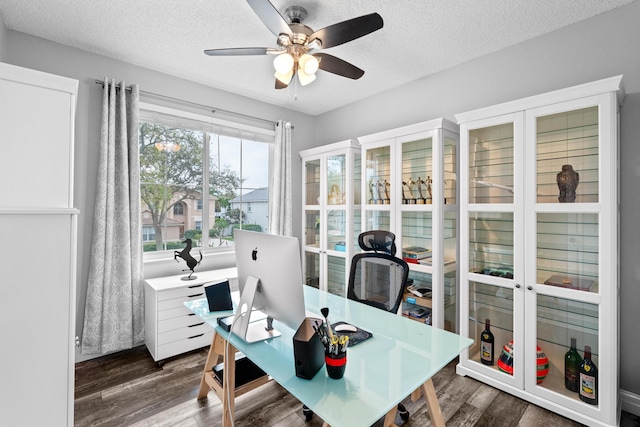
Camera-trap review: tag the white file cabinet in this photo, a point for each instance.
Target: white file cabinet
(170, 328)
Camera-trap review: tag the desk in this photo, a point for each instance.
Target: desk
(396, 362)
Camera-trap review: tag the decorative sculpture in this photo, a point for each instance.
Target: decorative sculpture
(387, 187)
(186, 256)
(380, 190)
(567, 180)
(372, 200)
(421, 200)
(411, 184)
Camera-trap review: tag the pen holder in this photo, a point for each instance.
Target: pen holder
(336, 364)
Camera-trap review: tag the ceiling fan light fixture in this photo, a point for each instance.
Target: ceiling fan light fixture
(283, 63)
(309, 64)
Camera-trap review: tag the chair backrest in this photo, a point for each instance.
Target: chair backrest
(378, 241)
(378, 278)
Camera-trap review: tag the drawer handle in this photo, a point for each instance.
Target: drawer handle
(194, 295)
(196, 336)
(196, 286)
(191, 314)
(197, 324)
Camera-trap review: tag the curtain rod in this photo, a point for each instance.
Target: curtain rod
(207, 107)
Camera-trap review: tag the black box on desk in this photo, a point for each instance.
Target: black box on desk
(308, 351)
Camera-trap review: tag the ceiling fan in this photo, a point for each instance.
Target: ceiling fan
(299, 45)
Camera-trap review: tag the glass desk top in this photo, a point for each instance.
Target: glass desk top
(381, 371)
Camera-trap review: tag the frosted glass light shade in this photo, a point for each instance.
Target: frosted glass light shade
(308, 63)
(305, 78)
(285, 78)
(283, 63)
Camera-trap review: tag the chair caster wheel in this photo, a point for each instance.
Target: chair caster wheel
(308, 413)
(404, 414)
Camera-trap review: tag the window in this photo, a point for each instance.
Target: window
(148, 233)
(178, 209)
(195, 172)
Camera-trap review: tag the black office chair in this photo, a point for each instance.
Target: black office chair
(377, 278)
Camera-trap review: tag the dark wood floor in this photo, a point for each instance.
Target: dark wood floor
(129, 389)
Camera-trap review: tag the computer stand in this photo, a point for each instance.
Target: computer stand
(242, 325)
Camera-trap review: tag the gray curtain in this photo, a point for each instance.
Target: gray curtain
(281, 203)
(114, 310)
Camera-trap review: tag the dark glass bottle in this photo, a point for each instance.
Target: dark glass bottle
(486, 344)
(572, 362)
(588, 379)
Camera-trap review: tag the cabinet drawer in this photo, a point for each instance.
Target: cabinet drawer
(184, 333)
(182, 292)
(182, 346)
(178, 322)
(179, 302)
(174, 312)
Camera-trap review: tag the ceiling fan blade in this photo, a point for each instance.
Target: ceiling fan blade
(270, 16)
(280, 85)
(338, 66)
(238, 51)
(348, 30)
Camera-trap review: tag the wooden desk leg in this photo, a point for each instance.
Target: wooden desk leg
(390, 418)
(216, 350)
(432, 403)
(228, 385)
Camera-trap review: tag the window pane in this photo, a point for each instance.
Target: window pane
(238, 185)
(170, 175)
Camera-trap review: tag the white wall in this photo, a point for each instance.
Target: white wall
(604, 46)
(32, 52)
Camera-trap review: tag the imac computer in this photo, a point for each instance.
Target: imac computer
(270, 281)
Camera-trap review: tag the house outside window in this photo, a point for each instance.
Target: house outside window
(189, 163)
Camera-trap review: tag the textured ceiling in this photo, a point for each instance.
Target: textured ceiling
(419, 38)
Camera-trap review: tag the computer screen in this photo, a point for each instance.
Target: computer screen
(276, 264)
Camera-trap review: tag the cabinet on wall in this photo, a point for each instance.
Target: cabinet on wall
(38, 227)
(539, 244)
(169, 327)
(330, 214)
(409, 187)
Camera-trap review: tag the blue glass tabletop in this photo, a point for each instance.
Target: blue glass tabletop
(401, 355)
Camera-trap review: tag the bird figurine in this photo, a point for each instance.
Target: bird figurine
(185, 254)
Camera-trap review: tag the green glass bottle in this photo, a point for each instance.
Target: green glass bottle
(572, 362)
(588, 379)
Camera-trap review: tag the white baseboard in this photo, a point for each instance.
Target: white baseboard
(630, 402)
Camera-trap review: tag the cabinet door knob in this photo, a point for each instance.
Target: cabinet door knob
(530, 288)
(518, 285)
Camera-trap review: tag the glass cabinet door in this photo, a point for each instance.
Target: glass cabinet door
(492, 226)
(564, 278)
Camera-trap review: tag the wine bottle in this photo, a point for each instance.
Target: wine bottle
(572, 362)
(486, 344)
(588, 379)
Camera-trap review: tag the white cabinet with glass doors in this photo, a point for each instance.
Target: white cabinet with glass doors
(409, 187)
(539, 245)
(331, 214)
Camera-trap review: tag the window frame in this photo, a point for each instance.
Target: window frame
(153, 113)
